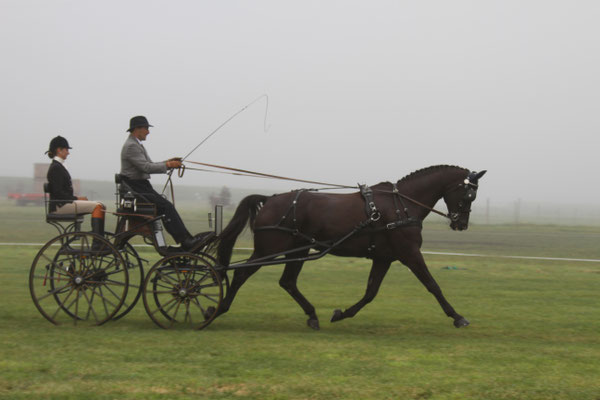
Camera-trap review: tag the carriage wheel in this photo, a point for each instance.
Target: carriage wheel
(73, 279)
(183, 290)
(135, 267)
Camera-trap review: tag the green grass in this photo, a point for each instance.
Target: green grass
(533, 333)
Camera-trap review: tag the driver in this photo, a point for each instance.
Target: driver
(136, 167)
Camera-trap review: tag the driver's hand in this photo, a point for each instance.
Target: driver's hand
(174, 163)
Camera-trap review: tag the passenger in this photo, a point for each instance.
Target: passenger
(62, 200)
(136, 167)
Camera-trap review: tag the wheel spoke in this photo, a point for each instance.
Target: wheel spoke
(110, 290)
(164, 286)
(197, 303)
(61, 277)
(160, 291)
(163, 275)
(104, 299)
(104, 282)
(188, 316)
(162, 308)
(210, 297)
(76, 307)
(60, 304)
(173, 320)
(55, 291)
(90, 307)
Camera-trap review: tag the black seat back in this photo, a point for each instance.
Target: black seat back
(141, 205)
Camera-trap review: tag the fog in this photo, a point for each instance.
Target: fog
(358, 91)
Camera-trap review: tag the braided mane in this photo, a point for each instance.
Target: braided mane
(428, 170)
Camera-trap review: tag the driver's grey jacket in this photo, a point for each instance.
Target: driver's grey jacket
(135, 162)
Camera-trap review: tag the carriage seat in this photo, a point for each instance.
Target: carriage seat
(53, 217)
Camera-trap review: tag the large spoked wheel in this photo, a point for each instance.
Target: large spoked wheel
(183, 290)
(135, 267)
(78, 277)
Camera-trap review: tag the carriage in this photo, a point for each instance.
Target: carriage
(90, 279)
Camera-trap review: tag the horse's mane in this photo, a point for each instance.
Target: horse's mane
(428, 170)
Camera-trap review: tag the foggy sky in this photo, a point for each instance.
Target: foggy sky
(359, 91)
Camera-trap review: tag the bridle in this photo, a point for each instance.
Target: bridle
(464, 204)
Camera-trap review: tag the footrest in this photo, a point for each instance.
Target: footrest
(207, 238)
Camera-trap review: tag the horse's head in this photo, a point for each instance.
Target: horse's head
(458, 199)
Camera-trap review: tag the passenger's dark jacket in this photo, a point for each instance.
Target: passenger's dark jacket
(61, 186)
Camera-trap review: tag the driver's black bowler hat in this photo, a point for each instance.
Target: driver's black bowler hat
(137, 122)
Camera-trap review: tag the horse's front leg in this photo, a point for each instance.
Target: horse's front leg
(239, 277)
(288, 282)
(378, 271)
(416, 264)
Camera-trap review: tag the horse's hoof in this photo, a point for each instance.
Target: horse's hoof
(337, 315)
(459, 323)
(313, 323)
(209, 312)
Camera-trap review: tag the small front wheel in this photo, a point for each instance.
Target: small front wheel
(182, 290)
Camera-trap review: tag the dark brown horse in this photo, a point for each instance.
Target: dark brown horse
(383, 224)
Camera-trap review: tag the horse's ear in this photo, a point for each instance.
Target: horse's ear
(474, 176)
(480, 174)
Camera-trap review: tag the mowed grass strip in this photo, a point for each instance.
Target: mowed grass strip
(533, 335)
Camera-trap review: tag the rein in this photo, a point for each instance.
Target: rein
(425, 206)
(243, 172)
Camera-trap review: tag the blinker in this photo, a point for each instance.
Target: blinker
(471, 194)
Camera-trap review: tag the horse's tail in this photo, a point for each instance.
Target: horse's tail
(245, 212)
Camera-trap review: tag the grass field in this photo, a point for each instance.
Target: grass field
(533, 333)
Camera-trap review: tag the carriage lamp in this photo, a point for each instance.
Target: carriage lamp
(128, 201)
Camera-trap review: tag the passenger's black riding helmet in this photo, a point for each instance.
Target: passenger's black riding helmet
(58, 143)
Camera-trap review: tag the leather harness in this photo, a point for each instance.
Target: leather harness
(366, 227)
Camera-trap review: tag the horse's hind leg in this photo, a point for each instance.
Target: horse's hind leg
(417, 265)
(288, 281)
(378, 271)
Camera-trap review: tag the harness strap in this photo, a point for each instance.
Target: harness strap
(292, 209)
(372, 211)
(396, 197)
(365, 227)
